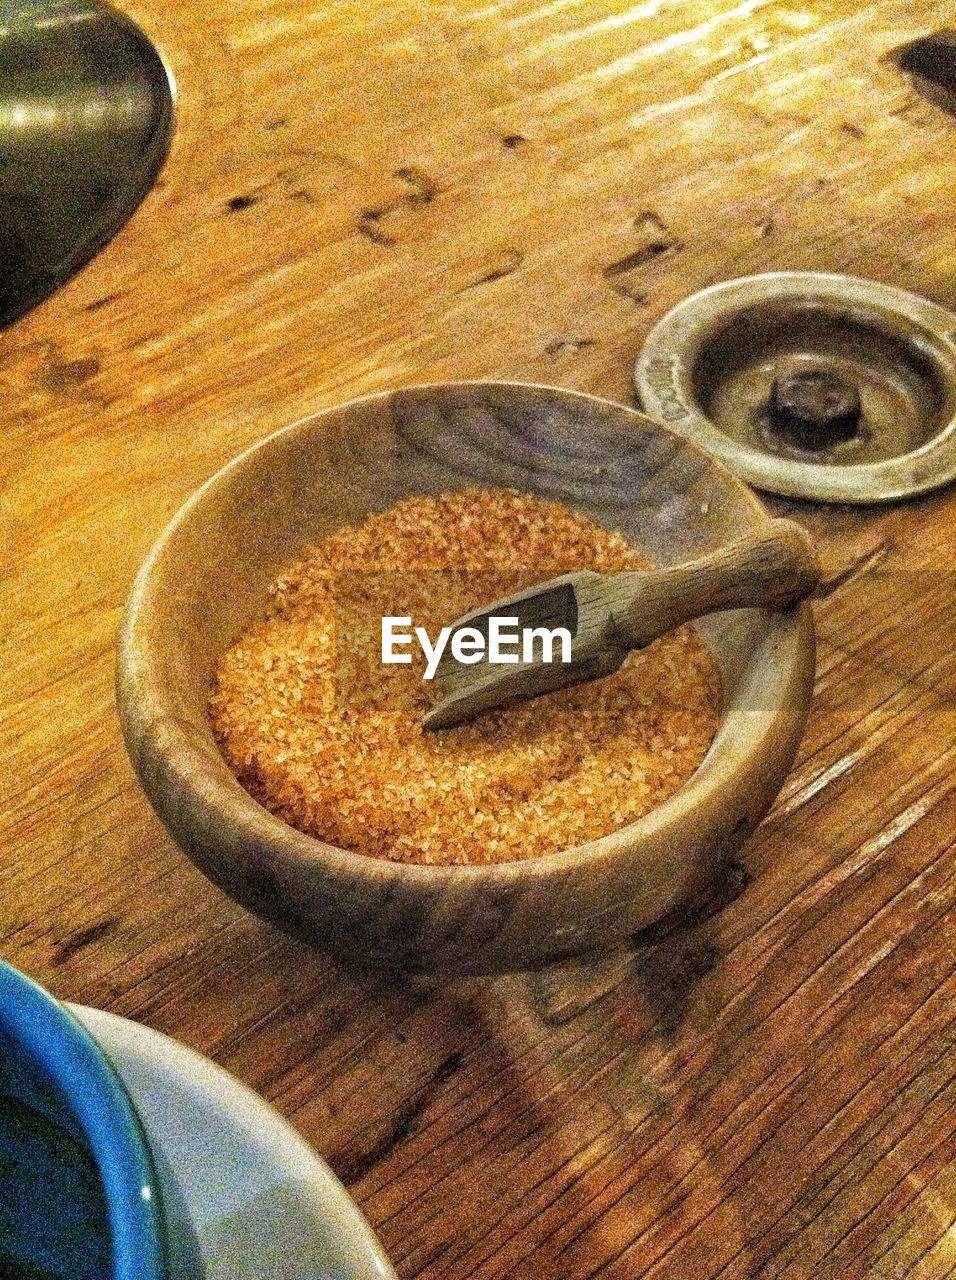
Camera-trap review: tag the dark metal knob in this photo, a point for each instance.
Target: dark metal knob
(814, 408)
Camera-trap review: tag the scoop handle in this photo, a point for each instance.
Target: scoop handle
(771, 568)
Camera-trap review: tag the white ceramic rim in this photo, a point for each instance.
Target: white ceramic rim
(253, 1114)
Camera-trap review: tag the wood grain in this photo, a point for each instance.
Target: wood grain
(366, 196)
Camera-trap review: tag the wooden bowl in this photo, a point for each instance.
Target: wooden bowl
(207, 577)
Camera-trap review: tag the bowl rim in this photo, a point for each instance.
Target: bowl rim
(679, 337)
(245, 818)
(69, 1055)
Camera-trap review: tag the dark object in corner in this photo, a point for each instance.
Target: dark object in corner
(86, 116)
(931, 62)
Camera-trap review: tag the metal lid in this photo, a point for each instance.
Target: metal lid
(816, 386)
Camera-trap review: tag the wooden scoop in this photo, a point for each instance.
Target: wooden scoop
(608, 615)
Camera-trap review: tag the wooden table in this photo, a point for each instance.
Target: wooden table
(363, 195)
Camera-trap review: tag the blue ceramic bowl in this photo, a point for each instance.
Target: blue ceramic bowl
(79, 1198)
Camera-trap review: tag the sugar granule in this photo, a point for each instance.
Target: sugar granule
(527, 780)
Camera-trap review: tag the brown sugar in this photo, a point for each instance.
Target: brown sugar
(330, 741)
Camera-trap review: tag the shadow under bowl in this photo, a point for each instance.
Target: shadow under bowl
(207, 578)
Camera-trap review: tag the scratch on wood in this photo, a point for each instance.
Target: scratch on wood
(863, 864)
(238, 203)
(902, 823)
(567, 344)
(422, 189)
(75, 942)
(369, 226)
(637, 259)
(101, 302)
(655, 240)
(822, 780)
(404, 1124)
(449, 1066)
(857, 568)
(509, 261)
